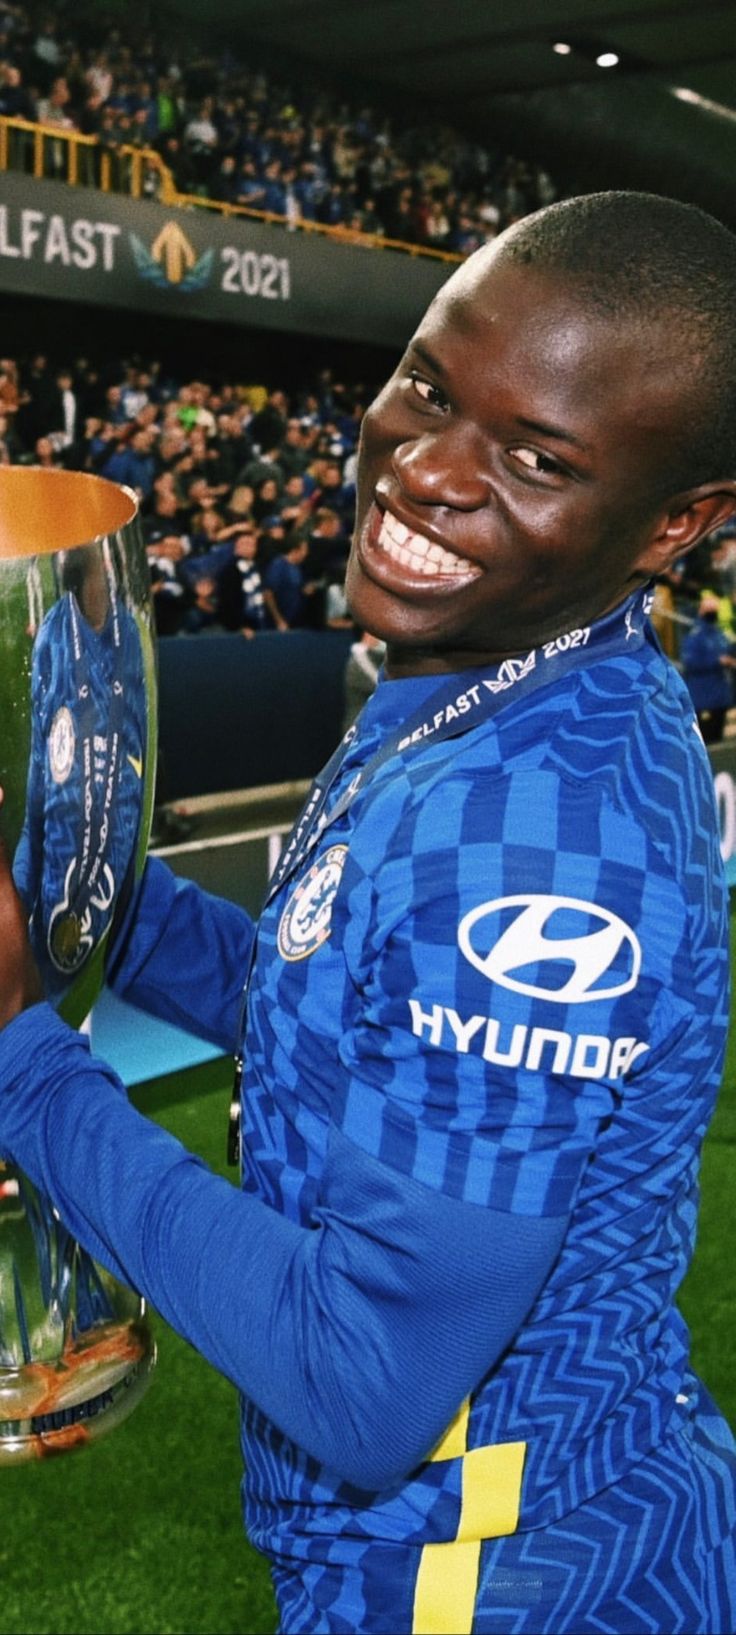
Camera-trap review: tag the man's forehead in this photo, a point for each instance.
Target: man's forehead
(548, 321)
(494, 291)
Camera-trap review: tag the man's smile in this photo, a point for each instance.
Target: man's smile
(393, 553)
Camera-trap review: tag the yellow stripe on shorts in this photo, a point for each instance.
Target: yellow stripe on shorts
(447, 1579)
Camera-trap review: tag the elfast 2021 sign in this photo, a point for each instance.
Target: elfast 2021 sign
(77, 244)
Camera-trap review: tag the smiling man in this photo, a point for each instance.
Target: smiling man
(487, 1003)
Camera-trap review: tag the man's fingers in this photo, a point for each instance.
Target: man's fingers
(20, 983)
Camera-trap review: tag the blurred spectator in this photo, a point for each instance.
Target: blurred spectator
(708, 662)
(271, 537)
(207, 526)
(722, 573)
(241, 502)
(170, 601)
(15, 101)
(267, 497)
(164, 516)
(133, 463)
(200, 141)
(46, 53)
(285, 587)
(293, 455)
(242, 605)
(9, 387)
(133, 393)
(334, 494)
(327, 556)
(70, 417)
(295, 505)
(47, 456)
(54, 109)
(203, 613)
(268, 426)
(39, 409)
(361, 675)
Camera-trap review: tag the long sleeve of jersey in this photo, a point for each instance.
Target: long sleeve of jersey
(183, 956)
(332, 1330)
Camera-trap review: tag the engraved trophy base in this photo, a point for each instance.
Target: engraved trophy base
(76, 1350)
(42, 1414)
(77, 768)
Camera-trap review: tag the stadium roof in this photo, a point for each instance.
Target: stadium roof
(662, 116)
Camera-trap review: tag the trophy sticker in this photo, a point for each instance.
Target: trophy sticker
(62, 741)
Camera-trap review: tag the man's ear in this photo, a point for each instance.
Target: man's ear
(687, 520)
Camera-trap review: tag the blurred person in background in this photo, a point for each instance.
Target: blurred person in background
(708, 657)
(285, 586)
(241, 586)
(361, 674)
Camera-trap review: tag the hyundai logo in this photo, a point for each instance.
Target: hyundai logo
(578, 964)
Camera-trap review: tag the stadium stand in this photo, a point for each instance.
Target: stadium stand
(172, 121)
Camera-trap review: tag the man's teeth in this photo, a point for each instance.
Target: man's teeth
(414, 551)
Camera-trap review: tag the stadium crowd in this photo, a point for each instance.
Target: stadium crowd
(228, 131)
(247, 494)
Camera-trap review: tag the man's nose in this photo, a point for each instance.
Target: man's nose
(447, 467)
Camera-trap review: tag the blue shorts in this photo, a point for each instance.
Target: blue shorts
(655, 1554)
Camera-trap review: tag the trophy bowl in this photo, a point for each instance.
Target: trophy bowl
(77, 768)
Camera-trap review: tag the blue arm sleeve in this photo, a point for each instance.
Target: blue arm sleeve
(183, 956)
(358, 1337)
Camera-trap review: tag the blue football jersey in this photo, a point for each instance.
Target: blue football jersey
(504, 974)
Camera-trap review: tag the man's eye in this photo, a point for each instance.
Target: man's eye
(534, 460)
(427, 392)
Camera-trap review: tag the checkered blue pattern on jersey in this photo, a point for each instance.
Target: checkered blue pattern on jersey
(595, 788)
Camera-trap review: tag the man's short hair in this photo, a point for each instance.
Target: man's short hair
(656, 262)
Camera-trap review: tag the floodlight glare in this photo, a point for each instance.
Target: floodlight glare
(562, 48)
(607, 59)
(708, 106)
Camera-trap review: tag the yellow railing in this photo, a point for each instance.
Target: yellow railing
(52, 153)
(49, 152)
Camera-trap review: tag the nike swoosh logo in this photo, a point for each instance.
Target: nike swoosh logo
(137, 765)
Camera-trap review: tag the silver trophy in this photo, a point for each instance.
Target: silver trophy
(77, 767)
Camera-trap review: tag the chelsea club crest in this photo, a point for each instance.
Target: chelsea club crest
(62, 740)
(305, 922)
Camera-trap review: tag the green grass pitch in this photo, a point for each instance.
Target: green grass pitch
(140, 1534)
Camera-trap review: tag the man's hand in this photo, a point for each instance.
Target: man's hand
(20, 983)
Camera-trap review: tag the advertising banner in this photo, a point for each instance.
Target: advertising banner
(723, 762)
(78, 244)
